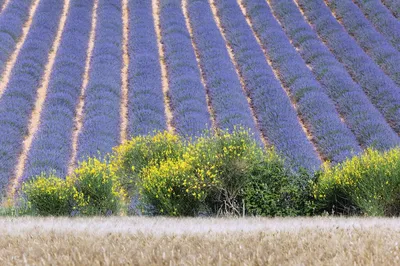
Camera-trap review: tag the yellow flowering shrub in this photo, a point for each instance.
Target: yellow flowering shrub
(211, 172)
(130, 158)
(99, 187)
(368, 184)
(50, 195)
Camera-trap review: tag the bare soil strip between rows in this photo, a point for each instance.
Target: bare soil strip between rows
(202, 76)
(124, 72)
(164, 75)
(242, 82)
(4, 6)
(78, 123)
(5, 76)
(277, 77)
(34, 121)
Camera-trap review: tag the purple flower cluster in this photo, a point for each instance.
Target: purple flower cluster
(12, 20)
(101, 121)
(373, 43)
(51, 147)
(382, 19)
(146, 102)
(228, 101)
(393, 6)
(362, 117)
(276, 116)
(381, 90)
(186, 92)
(18, 100)
(333, 139)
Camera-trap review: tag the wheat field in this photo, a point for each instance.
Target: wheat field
(199, 241)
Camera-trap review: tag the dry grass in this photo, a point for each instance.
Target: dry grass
(149, 241)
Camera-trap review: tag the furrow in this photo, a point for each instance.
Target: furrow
(124, 71)
(164, 74)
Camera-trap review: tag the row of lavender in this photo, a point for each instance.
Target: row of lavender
(51, 147)
(373, 43)
(382, 91)
(17, 102)
(227, 99)
(394, 6)
(146, 102)
(275, 114)
(101, 115)
(365, 121)
(382, 19)
(12, 20)
(187, 94)
(332, 137)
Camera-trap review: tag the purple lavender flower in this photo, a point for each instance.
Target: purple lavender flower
(101, 125)
(381, 90)
(187, 93)
(12, 20)
(373, 43)
(334, 140)
(368, 125)
(382, 19)
(146, 102)
(51, 147)
(17, 102)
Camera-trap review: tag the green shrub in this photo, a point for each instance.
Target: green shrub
(216, 172)
(224, 162)
(367, 184)
(274, 191)
(98, 187)
(50, 195)
(129, 159)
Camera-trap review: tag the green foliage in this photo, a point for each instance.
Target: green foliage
(217, 172)
(98, 188)
(50, 195)
(274, 191)
(367, 184)
(130, 158)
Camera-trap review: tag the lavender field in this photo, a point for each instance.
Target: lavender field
(319, 80)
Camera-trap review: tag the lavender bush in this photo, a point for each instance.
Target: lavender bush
(227, 98)
(381, 90)
(393, 6)
(333, 139)
(101, 125)
(276, 116)
(382, 19)
(19, 97)
(368, 125)
(373, 43)
(11, 21)
(51, 147)
(146, 102)
(187, 93)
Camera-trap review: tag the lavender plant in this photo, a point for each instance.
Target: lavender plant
(393, 6)
(229, 103)
(19, 97)
(365, 121)
(186, 92)
(146, 103)
(51, 147)
(382, 19)
(373, 43)
(333, 139)
(381, 90)
(101, 125)
(11, 21)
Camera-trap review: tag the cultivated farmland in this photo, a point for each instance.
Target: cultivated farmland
(317, 79)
